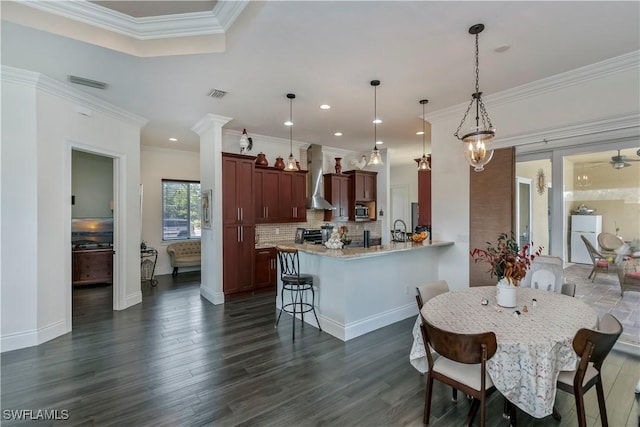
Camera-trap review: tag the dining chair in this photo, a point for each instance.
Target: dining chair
(546, 272)
(462, 364)
(592, 347)
(424, 293)
(599, 261)
(628, 275)
(297, 284)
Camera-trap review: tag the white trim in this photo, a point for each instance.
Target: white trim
(214, 298)
(133, 299)
(69, 93)
(33, 337)
(627, 347)
(216, 21)
(629, 61)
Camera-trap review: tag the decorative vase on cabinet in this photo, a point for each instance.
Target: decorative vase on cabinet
(279, 164)
(338, 165)
(261, 160)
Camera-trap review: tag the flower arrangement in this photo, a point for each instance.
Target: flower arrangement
(507, 259)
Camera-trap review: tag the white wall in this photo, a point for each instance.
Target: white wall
(157, 164)
(92, 185)
(36, 238)
(545, 108)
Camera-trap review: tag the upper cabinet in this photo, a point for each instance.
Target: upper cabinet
(336, 191)
(280, 196)
(267, 185)
(237, 189)
(364, 185)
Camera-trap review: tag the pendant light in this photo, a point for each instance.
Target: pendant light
(291, 161)
(375, 158)
(423, 165)
(476, 140)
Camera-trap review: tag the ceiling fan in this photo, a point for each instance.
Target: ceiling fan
(621, 161)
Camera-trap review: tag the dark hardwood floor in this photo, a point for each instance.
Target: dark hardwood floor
(176, 359)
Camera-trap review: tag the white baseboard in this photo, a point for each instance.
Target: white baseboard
(133, 299)
(627, 347)
(213, 297)
(33, 337)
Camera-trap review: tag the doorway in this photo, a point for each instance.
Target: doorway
(524, 215)
(92, 234)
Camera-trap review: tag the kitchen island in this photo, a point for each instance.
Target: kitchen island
(359, 290)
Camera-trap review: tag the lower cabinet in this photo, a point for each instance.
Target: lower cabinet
(92, 266)
(237, 258)
(266, 268)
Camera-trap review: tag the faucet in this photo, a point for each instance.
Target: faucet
(399, 235)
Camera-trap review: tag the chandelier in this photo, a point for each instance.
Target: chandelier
(476, 140)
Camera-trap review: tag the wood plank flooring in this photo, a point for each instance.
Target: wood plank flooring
(177, 360)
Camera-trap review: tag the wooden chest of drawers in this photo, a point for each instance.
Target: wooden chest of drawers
(92, 266)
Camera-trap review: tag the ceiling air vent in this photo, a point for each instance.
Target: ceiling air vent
(87, 82)
(216, 93)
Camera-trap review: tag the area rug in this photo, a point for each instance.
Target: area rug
(603, 294)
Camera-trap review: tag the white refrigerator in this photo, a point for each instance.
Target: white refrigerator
(584, 225)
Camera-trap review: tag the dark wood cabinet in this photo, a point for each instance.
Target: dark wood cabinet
(364, 185)
(296, 202)
(336, 191)
(267, 186)
(362, 191)
(266, 268)
(424, 197)
(92, 266)
(238, 206)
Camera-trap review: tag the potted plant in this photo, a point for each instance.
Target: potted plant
(508, 263)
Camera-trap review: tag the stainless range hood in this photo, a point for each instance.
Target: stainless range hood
(314, 179)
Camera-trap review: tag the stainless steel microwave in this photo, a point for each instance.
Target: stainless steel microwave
(362, 211)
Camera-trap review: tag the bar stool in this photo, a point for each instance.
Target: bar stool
(297, 284)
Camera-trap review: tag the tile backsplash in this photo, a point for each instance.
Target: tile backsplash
(274, 232)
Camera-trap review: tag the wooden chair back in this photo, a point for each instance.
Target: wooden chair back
(609, 241)
(594, 346)
(463, 348)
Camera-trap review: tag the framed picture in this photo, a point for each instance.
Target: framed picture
(206, 208)
(299, 235)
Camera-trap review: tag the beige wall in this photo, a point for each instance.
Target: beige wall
(615, 194)
(539, 202)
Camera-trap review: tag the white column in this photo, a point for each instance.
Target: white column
(210, 130)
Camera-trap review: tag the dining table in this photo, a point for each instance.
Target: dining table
(534, 339)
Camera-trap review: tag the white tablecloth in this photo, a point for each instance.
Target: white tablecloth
(532, 347)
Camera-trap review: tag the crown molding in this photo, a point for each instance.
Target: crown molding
(268, 139)
(71, 94)
(206, 122)
(217, 21)
(611, 128)
(626, 62)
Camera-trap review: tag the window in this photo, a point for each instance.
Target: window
(180, 210)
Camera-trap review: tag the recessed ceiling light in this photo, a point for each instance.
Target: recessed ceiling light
(325, 106)
(173, 139)
(377, 121)
(379, 142)
(338, 134)
(288, 123)
(419, 133)
(502, 48)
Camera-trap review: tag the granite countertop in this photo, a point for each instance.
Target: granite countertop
(353, 253)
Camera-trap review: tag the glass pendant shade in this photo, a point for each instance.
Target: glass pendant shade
(291, 161)
(477, 154)
(476, 141)
(423, 165)
(376, 158)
